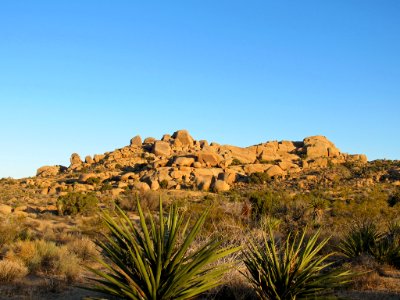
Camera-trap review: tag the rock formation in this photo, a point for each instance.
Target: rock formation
(179, 161)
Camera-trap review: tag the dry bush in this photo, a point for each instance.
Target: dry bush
(10, 229)
(11, 270)
(149, 200)
(84, 248)
(22, 250)
(43, 257)
(68, 265)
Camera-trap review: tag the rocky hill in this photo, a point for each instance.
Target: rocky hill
(179, 161)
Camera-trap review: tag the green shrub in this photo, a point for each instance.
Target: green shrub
(10, 230)
(164, 184)
(157, 261)
(106, 187)
(236, 162)
(259, 178)
(394, 198)
(264, 203)
(93, 180)
(292, 268)
(74, 203)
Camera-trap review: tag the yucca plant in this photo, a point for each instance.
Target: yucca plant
(157, 261)
(292, 268)
(365, 238)
(387, 251)
(362, 238)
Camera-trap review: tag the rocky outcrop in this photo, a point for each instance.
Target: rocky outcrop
(178, 161)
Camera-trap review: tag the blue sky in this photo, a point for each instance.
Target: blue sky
(86, 76)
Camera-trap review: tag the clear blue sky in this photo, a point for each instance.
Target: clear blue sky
(86, 76)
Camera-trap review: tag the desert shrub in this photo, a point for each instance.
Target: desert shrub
(11, 270)
(264, 203)
(83, 248)
(106, 187)
(74, 203)
(259, 178)
(236, 162)
(68, 265)
(45, 257)
(21, 250)
(149, 200)
(10, 230)
(151, 263)
(164, 184)
(291, 268)
(394, 198)
(93, 180)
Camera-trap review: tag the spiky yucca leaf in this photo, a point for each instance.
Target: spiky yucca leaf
(362, 238)
(291, 269)
(150, 263)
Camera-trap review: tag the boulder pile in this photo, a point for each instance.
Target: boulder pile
(179, 161)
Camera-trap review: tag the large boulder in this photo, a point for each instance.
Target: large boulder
(184, 161)
(161, 148)
(182, 138)
(244, 155)
(320, 146)
(319, 162)
(210, 159)
(129, 175)
(221, 186)
(83, 178)
(149, 140)
(136, 141)
(98, 157)
(141, 186)
(47, 171)
(275, 171)
(203, 183)
(89, 160)
(228, 176)
(200, 172)
(256, 168)
(75, 159)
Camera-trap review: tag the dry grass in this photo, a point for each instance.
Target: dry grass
(84, 248)
(11, 270)
(43, 257)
